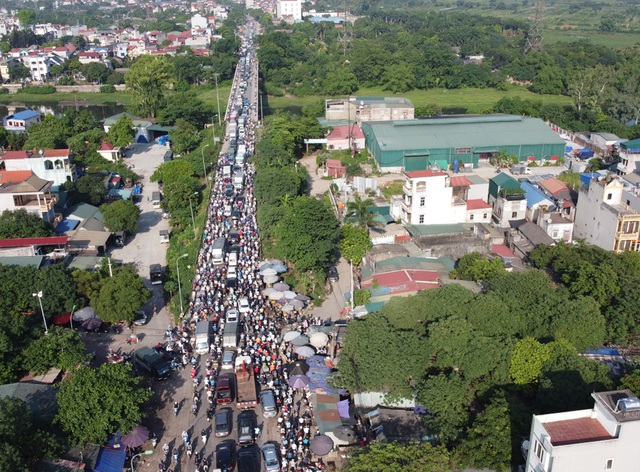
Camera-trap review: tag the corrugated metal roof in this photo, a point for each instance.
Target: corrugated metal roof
(462, 132)
(26, 242)
(533, 195)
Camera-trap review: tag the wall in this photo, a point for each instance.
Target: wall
(454, 245)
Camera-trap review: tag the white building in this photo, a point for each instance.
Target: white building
(604, 219)
(38, 64)
(54, 165)
(22, 189)
(435, 198)
(629, 153)
(289, 9)
(557, 225)
(604, 438)
(199, 22)
(21, 121)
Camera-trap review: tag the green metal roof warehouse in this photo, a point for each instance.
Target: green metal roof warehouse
(417, 144)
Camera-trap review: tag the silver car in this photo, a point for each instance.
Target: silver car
(270, 458)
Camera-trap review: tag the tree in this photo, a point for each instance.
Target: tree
(632, 382)
(19, 72)
(89, 189)
(121, 215)
(26, 18)
(95, 72)
(272, 183)
(474, 266)
(358, 211)
(19, 433)
(307, 234)
(528, 358)
(171, 171)
(148, 79)
(61, 348)
(50, 133)
(20, 224)
(354, 243)
(185, 138)
(96, 402)
(488, 444)
(186, 106)
(121, 296)
(447, 398)
(122, 132)
(411, 457)
(176, 197)
(398, 78)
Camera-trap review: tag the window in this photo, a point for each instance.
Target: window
(514, 214)
(538, 450)
(484, 216)
(609, 196)
(609, 464)
(471, 217)
(421, 219)
(554, 235)
(423, 200)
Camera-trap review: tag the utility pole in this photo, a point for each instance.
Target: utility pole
(534, 38)
(110, 270)
(215, 76)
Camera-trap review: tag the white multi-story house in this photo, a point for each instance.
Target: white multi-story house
(509, 206)
(55, 165)
(629, 153)
(38, 64)
(199, 22)
(21, 121)
(604, 219)
(604, 438)
(22, 189)
(289, 9)
(557, 225)
(435, 198)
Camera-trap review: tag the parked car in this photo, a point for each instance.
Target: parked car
(248, 460)
(140, 319)
(243, 305)
(333, 274)
(226, 455)
(223, 422)
(270, 458)
(246, 426)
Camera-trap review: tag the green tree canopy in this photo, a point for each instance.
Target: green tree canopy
(171, 171)
(359, 212)
(89, 189)
(148, 79)
(185, 106)
(20, 224)
(95, 402)
(19, 433)
(411, 457)
(307, 234)
(121, 296)
(61, 348)
(26, 18)
(527, 361)
(185, 138)
(474, 266)
(273, 183)
(176, 197)
(354, 243)
(121, 215)
(121, 133)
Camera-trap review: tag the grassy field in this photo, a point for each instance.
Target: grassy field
(474, 100)
(612, 40)
(123, 98)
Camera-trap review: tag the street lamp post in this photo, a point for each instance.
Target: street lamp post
(193, 221)
(143, 453)
(179, 284)
(204, 168)
(218, 98)
(44, 320)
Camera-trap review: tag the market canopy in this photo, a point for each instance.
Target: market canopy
(111, 459)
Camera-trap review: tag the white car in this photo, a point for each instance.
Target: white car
(270, 458)
(243, 305)
(232, 272)
(232, 316)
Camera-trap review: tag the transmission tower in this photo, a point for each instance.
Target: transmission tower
(345, 37)
(534, 38)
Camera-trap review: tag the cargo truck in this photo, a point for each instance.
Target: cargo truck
(246, 395)
(218, 250)
(152, 362)
(203, 331)
(230, 335)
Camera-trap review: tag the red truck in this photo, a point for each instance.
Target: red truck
(246, 394)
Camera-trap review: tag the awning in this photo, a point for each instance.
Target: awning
(111, 460)
(484, 151)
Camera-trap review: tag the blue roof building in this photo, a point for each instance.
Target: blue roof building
(21, 121)
(535, 198)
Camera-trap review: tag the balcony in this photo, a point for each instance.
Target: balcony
(457, 201)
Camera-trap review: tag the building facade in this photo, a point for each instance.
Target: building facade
(604, 219)
(21, 121)
(22, 189)
(629, 153)
(604, 438)
(55, 165)
(289, 9)
(363, 109)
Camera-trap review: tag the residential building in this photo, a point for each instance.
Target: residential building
(362, 109)
(110, 152)
(525, 236)
(38, 64)
(199, 22)
(629, 153)
(289, 9)
(345, 137)
(21, 121)
(88, 57)
(507, 199)
(460, 141)
(435, 198)
(604, 219)
(6, 64)
(22, 189)
(563, 197)
(536, 200)
(556, 224)
(55, 165)
(603, 438)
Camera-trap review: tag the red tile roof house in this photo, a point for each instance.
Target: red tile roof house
(335, 168)
(338, 138)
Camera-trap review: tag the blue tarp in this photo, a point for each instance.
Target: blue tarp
(67, 225)
(586, 153)
(110, 460)
(588, 176)
(605, 351)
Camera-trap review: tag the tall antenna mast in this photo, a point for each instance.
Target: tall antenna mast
(534, 38)
(345, 38)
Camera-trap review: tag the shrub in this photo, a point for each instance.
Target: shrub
(361, 297)
(108, 89)
(38, 90)
(4, 90)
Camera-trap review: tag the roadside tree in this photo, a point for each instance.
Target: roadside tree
(95, 402)
(61, 348)
(410, 457)
(148, 79)
(121, 133)
(121, 296)
(121, 215)
(354, 243)
(358, 212)
(171, 171)
(185, 138)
